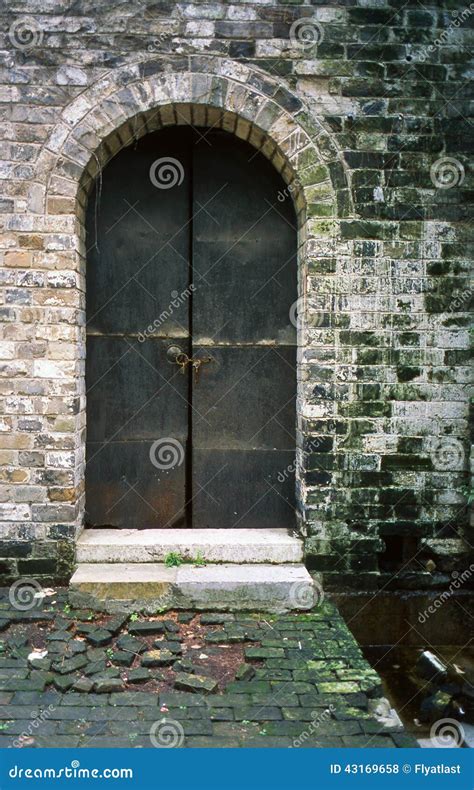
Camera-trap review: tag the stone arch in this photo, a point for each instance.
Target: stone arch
(130, 102)
(136, 99)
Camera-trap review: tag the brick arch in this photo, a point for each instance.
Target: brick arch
(130, 102)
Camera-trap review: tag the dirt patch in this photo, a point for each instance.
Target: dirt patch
(218, 661)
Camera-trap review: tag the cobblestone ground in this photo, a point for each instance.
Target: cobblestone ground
(76, 679)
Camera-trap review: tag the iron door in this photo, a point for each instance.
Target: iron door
(137, 402)
(203, 263)
(244, 269)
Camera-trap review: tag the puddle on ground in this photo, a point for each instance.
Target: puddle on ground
(403, 685)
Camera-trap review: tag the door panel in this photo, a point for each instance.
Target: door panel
(125, 490)
(245, 398)
(134, 392)
(137, 270)
(138, 243)
(164, 448)
(243, 489)
(244, 269)
(244, 246)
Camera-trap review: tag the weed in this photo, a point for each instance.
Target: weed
(173, 559)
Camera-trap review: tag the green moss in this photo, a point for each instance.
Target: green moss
(407, 373)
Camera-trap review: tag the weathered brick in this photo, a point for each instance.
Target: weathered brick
(359, 136)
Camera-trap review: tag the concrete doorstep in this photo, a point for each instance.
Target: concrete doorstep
(153, 587)
(210, 545)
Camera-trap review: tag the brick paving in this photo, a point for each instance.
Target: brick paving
(299, 680)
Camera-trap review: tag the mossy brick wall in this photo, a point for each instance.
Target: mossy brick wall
(383, 453)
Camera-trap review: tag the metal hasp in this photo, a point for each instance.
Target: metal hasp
(191, 351)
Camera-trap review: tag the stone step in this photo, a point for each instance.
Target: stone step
(152, 587)
(212, 545)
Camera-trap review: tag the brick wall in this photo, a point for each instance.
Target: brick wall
(381, 87)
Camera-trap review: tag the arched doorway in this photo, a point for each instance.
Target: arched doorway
(191, 343)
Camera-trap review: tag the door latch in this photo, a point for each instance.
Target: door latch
(180, 358)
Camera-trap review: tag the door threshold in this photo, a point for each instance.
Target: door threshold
(239, 546)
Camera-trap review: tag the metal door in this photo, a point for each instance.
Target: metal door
(191, 256)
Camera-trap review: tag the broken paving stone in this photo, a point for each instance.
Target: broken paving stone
(216, 638)
(63, 682)
(122, 658)
(54, 654)
(147, 628)
(185, 617)
(41, 663)
(173, 647)
(61, 623)
(108, 672)
(86, 628)
(344, 687)
(40, 678)
(83, 685)
(195, 683)
(264, 652)
(69, 665)
(131, 644)
(108, 685)
(371, 685)
(435, 707)
(171, 627)
(76, 646)
(99, 638)
(96, 654)
(117, 623)
(95, 667)
(139, 676)
(245, 672)
(216, 619)
(59, 636)
(19, 652)
(191, 669)
(157, 658)
(81, 614)
(430, 667)
(185, 665)
(17, 642)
